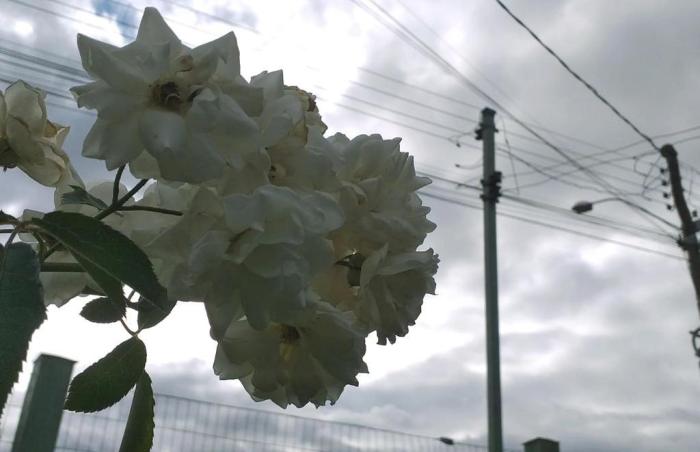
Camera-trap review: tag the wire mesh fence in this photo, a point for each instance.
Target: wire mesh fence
(192, 425)
(8, 421)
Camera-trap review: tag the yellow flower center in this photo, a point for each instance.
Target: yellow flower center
(167, 94)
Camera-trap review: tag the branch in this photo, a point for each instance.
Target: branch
(121, 201)
(151, 209)
(115, 189)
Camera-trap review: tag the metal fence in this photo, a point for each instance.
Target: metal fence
(185, 425)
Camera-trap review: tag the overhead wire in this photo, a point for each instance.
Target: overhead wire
(555, 227)
(578, 77)
(385, 119)
(419, 45)
(560, 211)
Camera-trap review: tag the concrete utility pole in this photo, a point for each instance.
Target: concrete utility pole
(491, 184)
(689, 241)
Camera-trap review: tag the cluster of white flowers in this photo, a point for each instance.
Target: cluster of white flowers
(299, 245)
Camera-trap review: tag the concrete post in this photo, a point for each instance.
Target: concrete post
(491, 192)
(541, 445)
(40, 419)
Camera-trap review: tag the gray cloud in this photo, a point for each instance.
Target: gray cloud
(595, 351)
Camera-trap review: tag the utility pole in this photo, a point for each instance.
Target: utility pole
(491, 184)
(689, 241)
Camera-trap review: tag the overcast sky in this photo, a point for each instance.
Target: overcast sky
(595, 348)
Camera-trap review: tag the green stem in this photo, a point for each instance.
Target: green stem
(121, 201)
(108, 211)
(117, 179)
(151, 209)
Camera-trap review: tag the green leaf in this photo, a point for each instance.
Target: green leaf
(150, 315)
(22, 310)
(108, 380)
(80, 196)
(112, 287)
(104, 310)
(6, 218)
(107, 255)
(138, 435)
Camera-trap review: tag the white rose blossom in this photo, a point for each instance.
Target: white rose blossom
(252, 254)
(379, 196)
(187, 108)
(28, 140)
(292, 133)
(310, 360)
(384, 290)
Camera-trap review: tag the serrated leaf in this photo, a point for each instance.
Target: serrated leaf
(22, 311)
(106, 254)
(104, 310)
(138, 434)
(108, 380)
(149, 315)
(80, 196)
(6, 218)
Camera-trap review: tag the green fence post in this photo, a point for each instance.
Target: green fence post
(40, 419)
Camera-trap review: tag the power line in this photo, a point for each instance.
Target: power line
(555, 227)
(397, 112)
(590, 87)
(560, 211)
(393, 111)
(418, 44)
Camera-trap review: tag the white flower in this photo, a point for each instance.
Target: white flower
(252, 254)
(384, 290)
(260, 265)
(28, 140)
(392, 288)
(292, 133)
(311, 360)
(170, 249)
(188, 108)
(379, 197)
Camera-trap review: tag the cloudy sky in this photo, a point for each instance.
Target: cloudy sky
(595, 313)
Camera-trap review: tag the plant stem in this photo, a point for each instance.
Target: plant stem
(108, 211)
(120, 202)
(151, 209)
(115, 189)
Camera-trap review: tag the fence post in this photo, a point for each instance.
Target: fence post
(541, 445)
(40, 419)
